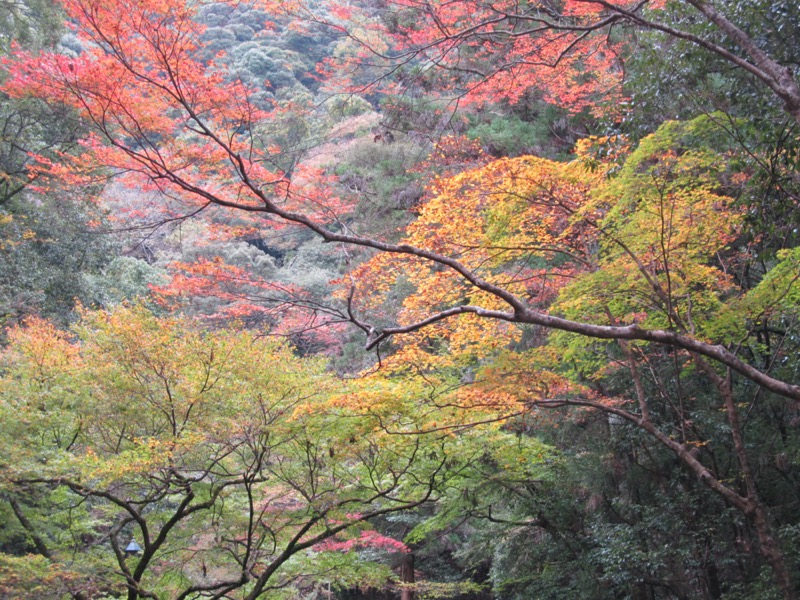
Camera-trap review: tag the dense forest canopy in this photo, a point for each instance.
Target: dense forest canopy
(480, 299)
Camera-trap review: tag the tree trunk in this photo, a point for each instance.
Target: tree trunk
(407, 577)
(770, 548)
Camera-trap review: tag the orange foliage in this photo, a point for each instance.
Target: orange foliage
(516, 223)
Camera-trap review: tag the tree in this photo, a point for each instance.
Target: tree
(172, 123)
(227, 459)
(119, 89)
(52, 253)
(575, 51)
(652, 246)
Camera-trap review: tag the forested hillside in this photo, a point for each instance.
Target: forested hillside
(371, 299)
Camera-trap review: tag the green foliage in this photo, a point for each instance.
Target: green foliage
(29, 23)
(50, 258)
(267, 55)
(666, 224)
(381, 175)
(674, 79)
(510, 135)
(152, 429)
(124, 278)
(346, 106)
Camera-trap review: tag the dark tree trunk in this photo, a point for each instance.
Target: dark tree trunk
(407, 577)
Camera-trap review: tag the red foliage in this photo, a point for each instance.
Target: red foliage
(162, 119)
(288, 310)
(369, 539)
(499, 51)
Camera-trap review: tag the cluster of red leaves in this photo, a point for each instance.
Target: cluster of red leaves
(498, 51)
(288, 309)
(369, 539)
